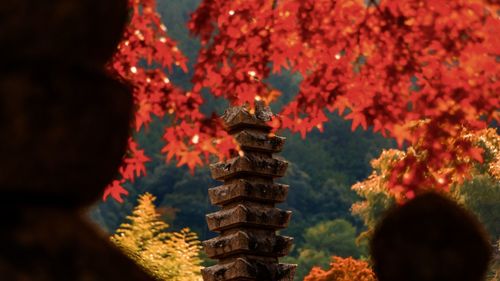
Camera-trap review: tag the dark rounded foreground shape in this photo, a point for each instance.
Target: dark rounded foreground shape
(72, 31)
(63, 133)
(64, 125)
(431, 238)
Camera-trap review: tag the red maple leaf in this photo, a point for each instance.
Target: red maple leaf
(390, 63)
(116, 190)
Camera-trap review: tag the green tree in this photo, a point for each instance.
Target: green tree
(189, 196)
(481, 195)
(336, 238)
(324, 240)
(306, 260)
(167, 256)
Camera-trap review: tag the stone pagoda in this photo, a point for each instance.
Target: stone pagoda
(248, 247)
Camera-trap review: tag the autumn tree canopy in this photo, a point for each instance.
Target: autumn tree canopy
(419, 71)
(479, 192)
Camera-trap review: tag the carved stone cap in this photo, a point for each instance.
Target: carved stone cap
(259, 141)
(238, 117)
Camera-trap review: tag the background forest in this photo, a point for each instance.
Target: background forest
(322, 170)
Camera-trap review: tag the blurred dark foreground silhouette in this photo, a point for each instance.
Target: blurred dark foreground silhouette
(64, 125)
(430, 238)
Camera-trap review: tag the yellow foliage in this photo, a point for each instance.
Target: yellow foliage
(374, 191)
(165, 255)
(377, 197)
(489, 140)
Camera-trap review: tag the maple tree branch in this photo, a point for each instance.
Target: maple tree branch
(374, 3)
(275, 4)
(363, 23)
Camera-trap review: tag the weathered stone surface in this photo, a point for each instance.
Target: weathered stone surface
(248, 248)
(243, 269)
(259, 141)
(247, 216)
(241, 117)
(246, 190)
(248, 243)
(249, 164)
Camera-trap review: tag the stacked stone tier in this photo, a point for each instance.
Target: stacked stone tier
(246, 215)
(249, 270)
(249, 164)
(248, 242)
(248, 247)
(242, 189)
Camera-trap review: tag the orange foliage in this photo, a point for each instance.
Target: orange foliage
(390, 63)
(385, 65)
(390, 167)
(143, 58)
(343, 269)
